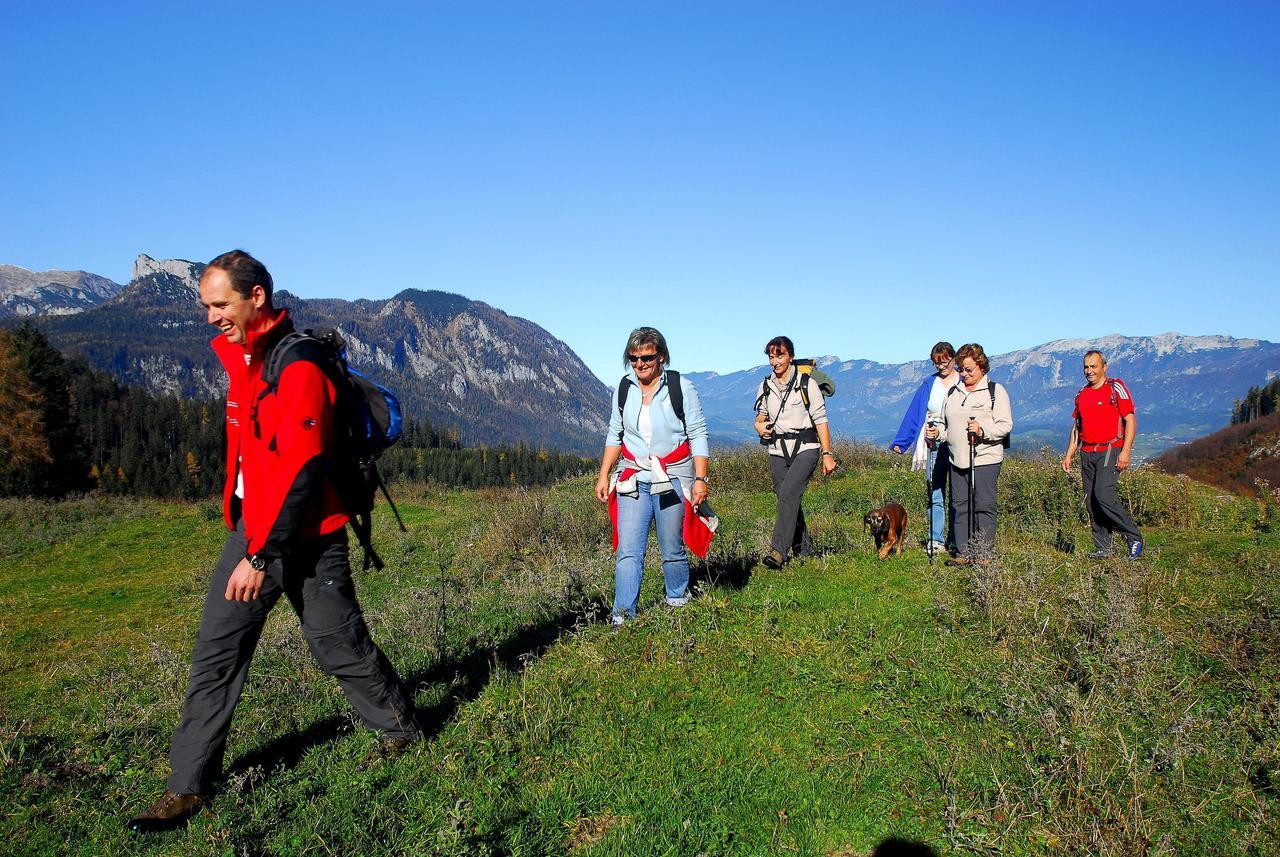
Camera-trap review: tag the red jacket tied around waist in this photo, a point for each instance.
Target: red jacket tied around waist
(699, 529)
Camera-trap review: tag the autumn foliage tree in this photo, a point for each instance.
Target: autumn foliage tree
(23, 445)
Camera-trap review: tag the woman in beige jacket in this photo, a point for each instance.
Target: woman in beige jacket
(977, 419)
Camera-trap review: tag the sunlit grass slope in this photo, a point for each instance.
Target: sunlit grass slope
(1042, 704)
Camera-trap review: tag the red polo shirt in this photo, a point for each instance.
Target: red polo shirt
(1101, 421)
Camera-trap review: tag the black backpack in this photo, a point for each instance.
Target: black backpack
(992, 386)
(673, 391)
(368, 421)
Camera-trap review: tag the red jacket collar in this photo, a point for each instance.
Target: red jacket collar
(257, 341)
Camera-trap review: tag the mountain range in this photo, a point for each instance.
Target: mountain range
(458, 363)
(1184, 387)
(27, 293)
(501, 379)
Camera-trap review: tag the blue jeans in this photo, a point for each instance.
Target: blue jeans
(635, 516)
(939, 466)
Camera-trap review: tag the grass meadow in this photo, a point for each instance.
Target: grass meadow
(1044, 704)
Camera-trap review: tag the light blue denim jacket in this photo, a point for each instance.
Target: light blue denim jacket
(667, 431)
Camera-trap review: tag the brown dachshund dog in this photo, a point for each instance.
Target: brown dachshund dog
(889, 526)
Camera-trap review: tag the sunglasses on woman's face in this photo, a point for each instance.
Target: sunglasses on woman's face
(642, 358)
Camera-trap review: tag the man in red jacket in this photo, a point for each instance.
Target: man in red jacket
(286, 536)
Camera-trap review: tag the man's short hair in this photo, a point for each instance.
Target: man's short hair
(1097, 354)
(245, 272)
(974, 350)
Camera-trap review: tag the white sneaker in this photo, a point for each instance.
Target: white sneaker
(677, 602)
(935, 548)
(617, 620)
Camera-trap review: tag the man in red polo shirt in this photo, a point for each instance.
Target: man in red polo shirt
(1104, 427)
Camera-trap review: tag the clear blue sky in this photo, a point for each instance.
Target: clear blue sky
(865, 177)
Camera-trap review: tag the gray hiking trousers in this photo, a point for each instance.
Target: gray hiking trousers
(316, 578)
(1106, 513)
(985, 477)
(789, 482)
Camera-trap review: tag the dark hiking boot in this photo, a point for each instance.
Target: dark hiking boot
(171, 811)
(773, 560)
(1099, 554)
(1135, 549)
(958, 561)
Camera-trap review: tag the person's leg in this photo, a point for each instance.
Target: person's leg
(960, 508)
(668, 510)
(789, 483)
(229, 632)
(635, 514)
(318, 582)
(1090, 465)
(799, 475)
(937, 493)
(1109, 511)
(985, 478)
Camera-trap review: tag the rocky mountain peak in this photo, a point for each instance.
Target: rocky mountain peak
(144, 266)
(32, 293)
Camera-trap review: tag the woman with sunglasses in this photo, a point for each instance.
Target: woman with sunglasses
(932, 457)
(791, 419)
(977, 418)
(654, 469)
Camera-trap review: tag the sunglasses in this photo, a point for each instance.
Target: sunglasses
(642, 358)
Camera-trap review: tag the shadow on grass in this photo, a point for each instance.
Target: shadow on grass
(895, 847)
(467, 674)
(730, 572)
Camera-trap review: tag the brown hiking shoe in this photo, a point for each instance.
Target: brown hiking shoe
(773, 560)
(389, 748)
(171, 811)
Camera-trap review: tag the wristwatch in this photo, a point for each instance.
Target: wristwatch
(705, 479)
(258, 562)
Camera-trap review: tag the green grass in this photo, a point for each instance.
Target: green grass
(1044, 704)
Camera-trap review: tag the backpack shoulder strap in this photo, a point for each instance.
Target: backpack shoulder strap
(992, 386)
(624, 387)
(805, 380)
(292, 347)
(676, 394)
(763, 398)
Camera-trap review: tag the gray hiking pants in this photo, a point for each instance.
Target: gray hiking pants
(985, 477)
(1106, 513)
(316, 578)
(789, 482)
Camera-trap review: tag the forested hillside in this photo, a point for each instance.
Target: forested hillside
(66, 427)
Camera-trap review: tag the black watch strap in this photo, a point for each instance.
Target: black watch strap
(258, 562)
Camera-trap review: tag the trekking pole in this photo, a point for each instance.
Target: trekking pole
(973, 467)
(928, 498)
